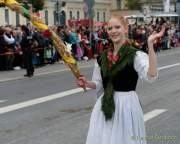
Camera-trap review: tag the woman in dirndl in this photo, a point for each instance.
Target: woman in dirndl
(117, 117)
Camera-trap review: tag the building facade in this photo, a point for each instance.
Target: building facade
(118, 4)
(147, 7)
(119, 7)
(74, 9)
(153, 6)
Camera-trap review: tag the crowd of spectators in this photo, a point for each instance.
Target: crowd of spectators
(85, 43)
(170, 39)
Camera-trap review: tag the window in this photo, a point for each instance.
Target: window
(7, 16)
(104, 16)
(118, 4)
(27, 22)
(97, 16)
(85, 15)
(17, 19)
(55, 18)
(78, 15)
(70, 15)
(46, 17)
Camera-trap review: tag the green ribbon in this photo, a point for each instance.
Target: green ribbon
(26, 13)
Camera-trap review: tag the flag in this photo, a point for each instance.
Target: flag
(89, 7)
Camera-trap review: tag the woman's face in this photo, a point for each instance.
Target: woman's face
(116, 30)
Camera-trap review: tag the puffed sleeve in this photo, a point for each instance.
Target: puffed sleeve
(141, 65)
(97, 79)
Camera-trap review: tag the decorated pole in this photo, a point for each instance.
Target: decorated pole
(38, 23)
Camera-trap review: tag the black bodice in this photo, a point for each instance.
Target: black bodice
(125, 80)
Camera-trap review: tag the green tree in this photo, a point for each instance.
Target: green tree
(133, 4)
(36, 4)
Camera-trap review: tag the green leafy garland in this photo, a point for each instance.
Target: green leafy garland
(126, 54)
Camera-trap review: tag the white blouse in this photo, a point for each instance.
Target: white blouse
(141, 65)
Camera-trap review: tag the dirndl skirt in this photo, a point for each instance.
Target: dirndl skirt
(126, 126)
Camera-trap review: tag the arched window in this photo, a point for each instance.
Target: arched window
(78, 15)
(55, 18)
(7, 16)
(70, 15)
(118, 4)
(97, 16)
(46, 17)
(17, 19)
(104, 16)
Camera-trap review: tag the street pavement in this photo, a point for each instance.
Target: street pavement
(49, 108)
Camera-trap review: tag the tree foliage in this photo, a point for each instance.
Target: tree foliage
(36, 4)
(133, 4)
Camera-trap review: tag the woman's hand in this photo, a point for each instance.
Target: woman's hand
(152, 71)
(155, 35)
(81, 82)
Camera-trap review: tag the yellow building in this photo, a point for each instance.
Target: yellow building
(73, 10)
(119, 7)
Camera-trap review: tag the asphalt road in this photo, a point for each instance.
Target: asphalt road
(50, 109)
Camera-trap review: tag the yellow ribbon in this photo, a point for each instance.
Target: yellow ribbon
(40, 26)
(8, 2)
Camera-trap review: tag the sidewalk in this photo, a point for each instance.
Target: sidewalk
(47, 69)
(58, 67)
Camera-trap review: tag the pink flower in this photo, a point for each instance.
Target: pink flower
(126, 42)
(112, 59)
(110, 56)
(115, 58)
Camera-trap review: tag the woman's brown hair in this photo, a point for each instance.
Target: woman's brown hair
(123, 20)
